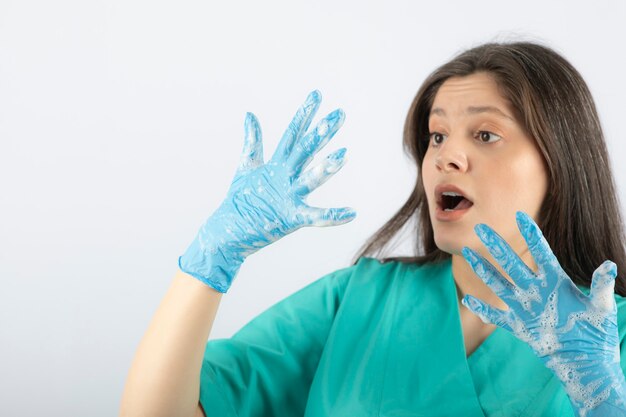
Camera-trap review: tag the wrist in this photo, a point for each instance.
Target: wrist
(212, 266)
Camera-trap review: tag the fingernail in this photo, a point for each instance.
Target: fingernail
(348, 213)
(335, 115)
(612, 267)
(608, 267)
(247, 123)
(331, 123)
(471, 303)
(337, 155)
(314, 97)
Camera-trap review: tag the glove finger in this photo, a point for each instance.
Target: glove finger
(492, 277)
(306, 147)
(603, 286)
(537, 243)
(320, 173)
(298, 125)
(488, 314)
(506, 257)
(252, 154)
(322, 217)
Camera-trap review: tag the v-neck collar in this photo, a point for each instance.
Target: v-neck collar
(497, 352)
(452, 287)
(459, 341)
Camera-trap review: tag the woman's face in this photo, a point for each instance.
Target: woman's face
(479, 150)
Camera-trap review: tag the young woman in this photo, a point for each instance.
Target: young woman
(515, 323)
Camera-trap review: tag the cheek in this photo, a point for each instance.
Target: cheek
(428, 174)
(531, 179)
(520, 184)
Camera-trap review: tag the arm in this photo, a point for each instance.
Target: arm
(164, 379)
(266, 201)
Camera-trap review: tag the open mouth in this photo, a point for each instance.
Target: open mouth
(451, 201)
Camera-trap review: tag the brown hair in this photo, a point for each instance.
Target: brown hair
(580, 215)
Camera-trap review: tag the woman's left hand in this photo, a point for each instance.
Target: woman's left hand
(575, 335)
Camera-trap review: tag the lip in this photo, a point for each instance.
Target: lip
(447, 216)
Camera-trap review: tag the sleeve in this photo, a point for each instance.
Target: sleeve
(267, 367)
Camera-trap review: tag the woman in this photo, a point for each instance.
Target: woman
(506, 138)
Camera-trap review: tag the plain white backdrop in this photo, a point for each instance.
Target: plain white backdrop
(121, 124)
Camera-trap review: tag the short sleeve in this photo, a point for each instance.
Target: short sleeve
(267, 367)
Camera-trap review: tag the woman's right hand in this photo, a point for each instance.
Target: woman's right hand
(266, 201)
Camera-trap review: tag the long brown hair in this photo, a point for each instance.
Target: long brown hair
(580, 215)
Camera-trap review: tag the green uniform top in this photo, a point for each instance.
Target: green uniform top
(377, 339)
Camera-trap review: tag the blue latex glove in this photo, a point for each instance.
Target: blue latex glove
(575, 335)
(266, 201)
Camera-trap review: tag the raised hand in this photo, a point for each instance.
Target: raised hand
(575, 335)
(267, 201)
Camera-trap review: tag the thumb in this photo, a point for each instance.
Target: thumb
(603, 286)
(252, 155)
(321, 217)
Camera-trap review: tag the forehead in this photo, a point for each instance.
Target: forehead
(475, 90)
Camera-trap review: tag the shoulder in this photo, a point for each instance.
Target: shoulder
(372, 272)
(373, 279)
(397, 266)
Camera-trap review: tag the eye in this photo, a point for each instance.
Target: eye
(487, 137)
(436, 138)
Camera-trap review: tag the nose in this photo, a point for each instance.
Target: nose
(451, 158)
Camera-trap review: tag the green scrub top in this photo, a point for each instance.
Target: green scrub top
(377, 339)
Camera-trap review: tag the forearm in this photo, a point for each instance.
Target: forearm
(164, 379)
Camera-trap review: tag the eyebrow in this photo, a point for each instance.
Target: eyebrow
(475, 110)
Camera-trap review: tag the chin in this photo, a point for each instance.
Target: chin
(454, 244)
(445, 245)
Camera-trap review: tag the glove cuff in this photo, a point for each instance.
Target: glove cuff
(213, 269)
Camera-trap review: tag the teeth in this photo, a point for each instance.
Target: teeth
(452, 193)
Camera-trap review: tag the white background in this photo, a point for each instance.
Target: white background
(121, 124)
